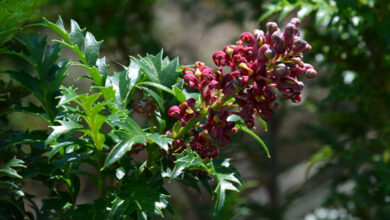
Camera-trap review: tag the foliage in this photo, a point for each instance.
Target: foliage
(127, 25)
(13, 14)
(98, 128)
(353, 120)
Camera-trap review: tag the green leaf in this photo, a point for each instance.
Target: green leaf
(68, 95)
(122, 147)
(159, 101)
(7, 169)
(133, 74)
(59, 148)
(76, 34)
(148, 68)
(160, 140)
(159, 86)
(235, 118)
(325, 153)
(27, 81)
(270, 10)
(58, 29)
(57, 76)
(180, 96)
(102, 67)
(120, 83)
(51, 56)
(140, 196)
(66, 126)
(92, 48)
(263, 122)
(250, 132)
(33, 110)
(227, 178)
(60, 24)
(169, 75)
(186, 160)
(285, 11)
(126, 124)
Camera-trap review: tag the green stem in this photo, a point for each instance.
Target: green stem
(100, 175)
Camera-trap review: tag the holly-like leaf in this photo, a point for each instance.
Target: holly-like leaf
(8, 168)
(147, 67)
(68, 95)
(227, 179)
(92, 48)
(27, 81)
(160, 140)
(126, 124)
(66, 126)
(187, 160)
(119, 82)
(102, 67)
(76, 34)
(59, 148)
(133, 74)
(139, 196)
(122, 147)
(170, 74)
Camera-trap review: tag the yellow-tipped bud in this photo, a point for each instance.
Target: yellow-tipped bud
(245, 67)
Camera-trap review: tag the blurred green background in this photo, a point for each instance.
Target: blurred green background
(330, 154)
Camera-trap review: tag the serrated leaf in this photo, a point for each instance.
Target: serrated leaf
(133, 74)
(147, 68)
(186, 160)
(66, 126)
(76, 34)
(120, 83)
(169, 75)
(140, 196)
(51, 56)
(27, 81)
(122, 147)
(91, 49)
(227, 178)
(60, 24)
(180, 96)
(102, 67)
(7, 169)
(68, 95)
(160, 140)
(58, 148)
(126, 124)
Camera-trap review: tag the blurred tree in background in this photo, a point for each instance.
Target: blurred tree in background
(125, 25)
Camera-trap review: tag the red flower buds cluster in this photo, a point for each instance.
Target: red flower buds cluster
(184, 112)
(258, 63)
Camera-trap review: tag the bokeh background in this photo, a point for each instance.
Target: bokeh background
(330, 153)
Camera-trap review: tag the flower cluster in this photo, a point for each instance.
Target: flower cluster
(258, 63)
